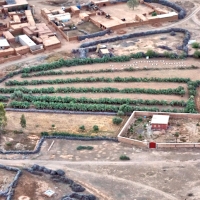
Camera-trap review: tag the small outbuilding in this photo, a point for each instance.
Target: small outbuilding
(160, 122)
(4, 44)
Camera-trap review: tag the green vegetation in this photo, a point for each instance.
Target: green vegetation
(23, 121)
(176, 135)
(92, 80)
(196, 54)
(195, 45)
(60, 72)
(154, 14)
(82, 128)
(9, 144)
(117, 120)
(124, 157)
(151, 53)
(95, 128)
(3, 118)
(84, 148)
(132, 3)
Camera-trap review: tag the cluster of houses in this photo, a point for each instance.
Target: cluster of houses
(20, 34)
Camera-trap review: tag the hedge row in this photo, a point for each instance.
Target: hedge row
(94, 79)
(177, 91)
(130, 69)
(68, 99)
(86, 107)
(4, 98)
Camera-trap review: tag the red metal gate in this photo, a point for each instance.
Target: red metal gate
(152, 145)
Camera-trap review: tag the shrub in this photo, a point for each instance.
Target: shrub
(117, 120)
(23, 121)
(124, 157)
(151, 53)
(120, 113)
(154, 14)
(44, 134)
(95, 128)
(82, 128)
(140, 119)
(53, 125)
(196, 54)
(9, 144)
(84, 148)
(17, 132)
(195, 45)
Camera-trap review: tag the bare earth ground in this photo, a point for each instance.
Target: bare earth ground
(33, 187)
(6, 178)
(38, 122)
(150, 174)
(143, 44)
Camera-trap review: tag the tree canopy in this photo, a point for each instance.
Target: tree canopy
(132, 3)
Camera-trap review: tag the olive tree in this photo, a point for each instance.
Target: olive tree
(132, 3)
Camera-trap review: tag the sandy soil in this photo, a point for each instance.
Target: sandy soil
(18, 140)
(33, 187)
(6, 178)
(63, 122)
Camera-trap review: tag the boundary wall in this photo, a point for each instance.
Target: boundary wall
(181, 14)
(131, 120)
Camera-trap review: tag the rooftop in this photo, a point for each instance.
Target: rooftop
(50, 41)
(27, 40)
(4, 43)
(160, 119)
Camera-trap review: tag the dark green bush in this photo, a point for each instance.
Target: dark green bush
(82, 128)
(84, 148)
(124, 157)
(95, 128)
(195, 45)
(154, 14)
(117, 120)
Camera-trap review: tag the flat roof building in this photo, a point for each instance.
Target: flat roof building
(160, 121)
(4, 44)
(13, 5)
(26, 41)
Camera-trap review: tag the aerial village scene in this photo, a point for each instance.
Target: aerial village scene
(99, 99)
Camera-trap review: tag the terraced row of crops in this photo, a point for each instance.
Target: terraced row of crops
(104, 89)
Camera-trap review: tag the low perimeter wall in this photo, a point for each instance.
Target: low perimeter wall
(135, 114)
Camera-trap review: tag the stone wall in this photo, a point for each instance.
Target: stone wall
(97, 34)
(182, 47)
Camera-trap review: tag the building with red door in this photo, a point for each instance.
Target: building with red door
(160, 122)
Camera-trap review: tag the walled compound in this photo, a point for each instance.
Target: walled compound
(100, 14)
(146, 141)
(20, 34)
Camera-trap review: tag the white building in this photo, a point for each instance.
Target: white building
(4, 44)
(26, 41)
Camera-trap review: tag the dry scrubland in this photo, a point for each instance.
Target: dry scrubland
(38, 122)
